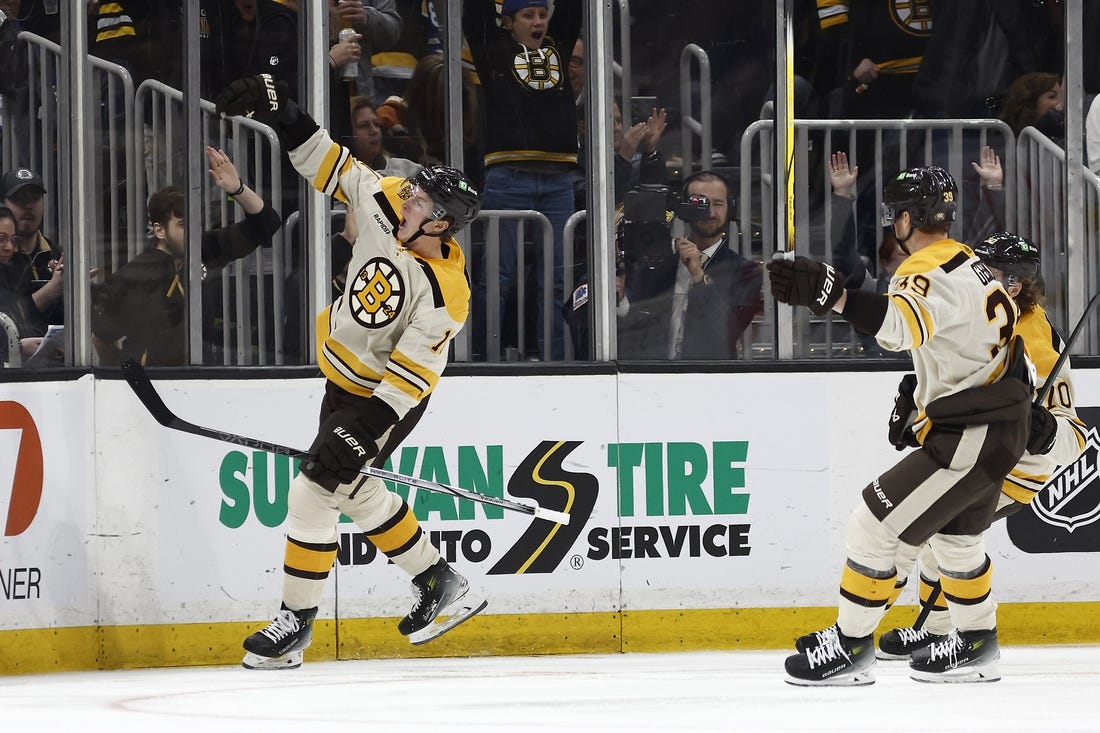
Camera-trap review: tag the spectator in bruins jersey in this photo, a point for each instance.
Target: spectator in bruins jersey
(139, 312)
(382, 347)
(531, 136)
(1057, 435)
(972, 396)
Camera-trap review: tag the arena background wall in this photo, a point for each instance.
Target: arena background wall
(708, 513)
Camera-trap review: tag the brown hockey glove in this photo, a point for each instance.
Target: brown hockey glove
(802, 281)
(1044, 429)
(900, 430)
(347, 439)
(261, 96)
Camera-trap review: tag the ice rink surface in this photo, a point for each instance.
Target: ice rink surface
(1043, 689)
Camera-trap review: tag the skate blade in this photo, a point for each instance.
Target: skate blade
(983, 673)
(460, 613)
(858, 679)
(290, 660)
(887, 657)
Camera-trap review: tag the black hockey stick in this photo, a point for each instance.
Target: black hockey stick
(1048, 384)
(139, 382)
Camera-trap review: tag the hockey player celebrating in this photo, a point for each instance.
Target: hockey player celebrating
(972, 399)
(1058, 436)
(382, 347)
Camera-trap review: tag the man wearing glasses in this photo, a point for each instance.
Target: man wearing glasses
(37, 262)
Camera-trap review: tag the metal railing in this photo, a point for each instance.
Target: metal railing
(896, 144)
(1070, 277)
(690, 125)
(493, 317)
(256, 152)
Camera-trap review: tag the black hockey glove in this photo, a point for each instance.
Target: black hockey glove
(1044, 428)
(900, 430)
(344, 444)
(260, 96)
(802, 281)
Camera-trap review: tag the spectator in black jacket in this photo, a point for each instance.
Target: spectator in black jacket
(696, 301)
(139, 312)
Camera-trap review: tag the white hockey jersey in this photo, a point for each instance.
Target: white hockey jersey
(388, 334)
(956, 320)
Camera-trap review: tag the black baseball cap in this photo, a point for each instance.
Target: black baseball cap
(20, 178)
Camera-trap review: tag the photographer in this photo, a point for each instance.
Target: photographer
(692, 297)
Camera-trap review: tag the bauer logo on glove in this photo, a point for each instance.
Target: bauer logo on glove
(802, 281)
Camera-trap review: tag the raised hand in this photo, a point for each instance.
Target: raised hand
(841, 176)
(222, 170)
(989, 169)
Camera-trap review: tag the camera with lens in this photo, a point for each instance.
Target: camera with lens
(693, 207)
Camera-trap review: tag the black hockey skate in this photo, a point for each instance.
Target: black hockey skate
(817, 638)
(900, 643)
(962, 656)
(440, 592)
(282, 644)
(838, 660)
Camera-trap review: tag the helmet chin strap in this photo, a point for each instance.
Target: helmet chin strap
(420, 232)
(903, 240)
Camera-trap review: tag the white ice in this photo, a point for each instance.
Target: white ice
(1043, 689)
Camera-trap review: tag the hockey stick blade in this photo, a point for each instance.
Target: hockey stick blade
(144, 390)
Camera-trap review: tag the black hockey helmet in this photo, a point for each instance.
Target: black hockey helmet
(1009, 253)
(454, 194)
(928, 193)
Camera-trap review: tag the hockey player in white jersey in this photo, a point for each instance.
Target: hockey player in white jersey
(382, 346)
(972, 398)
(1057, 435)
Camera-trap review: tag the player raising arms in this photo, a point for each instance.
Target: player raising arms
(382, 347)
(972, 399)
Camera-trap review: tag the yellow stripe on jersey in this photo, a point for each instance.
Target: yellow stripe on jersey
(337, 161)
(119, 33)
(865, 590)
(900, 66)
(1019, 492)
(917, 319)
(832, 12)
(396, 534)
(516, 156)
(413, 379)
(968, 591)
(339, 364)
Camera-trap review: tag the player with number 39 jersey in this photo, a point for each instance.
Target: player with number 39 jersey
(971, 396)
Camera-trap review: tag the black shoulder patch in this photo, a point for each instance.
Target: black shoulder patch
(387, 211)
(955, 262)
(437, 292)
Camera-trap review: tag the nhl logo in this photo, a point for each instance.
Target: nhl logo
(377, 293)
(1067, 501)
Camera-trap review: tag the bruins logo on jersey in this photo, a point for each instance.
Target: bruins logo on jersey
(913, 16)
(377, 293)
(540, 69)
